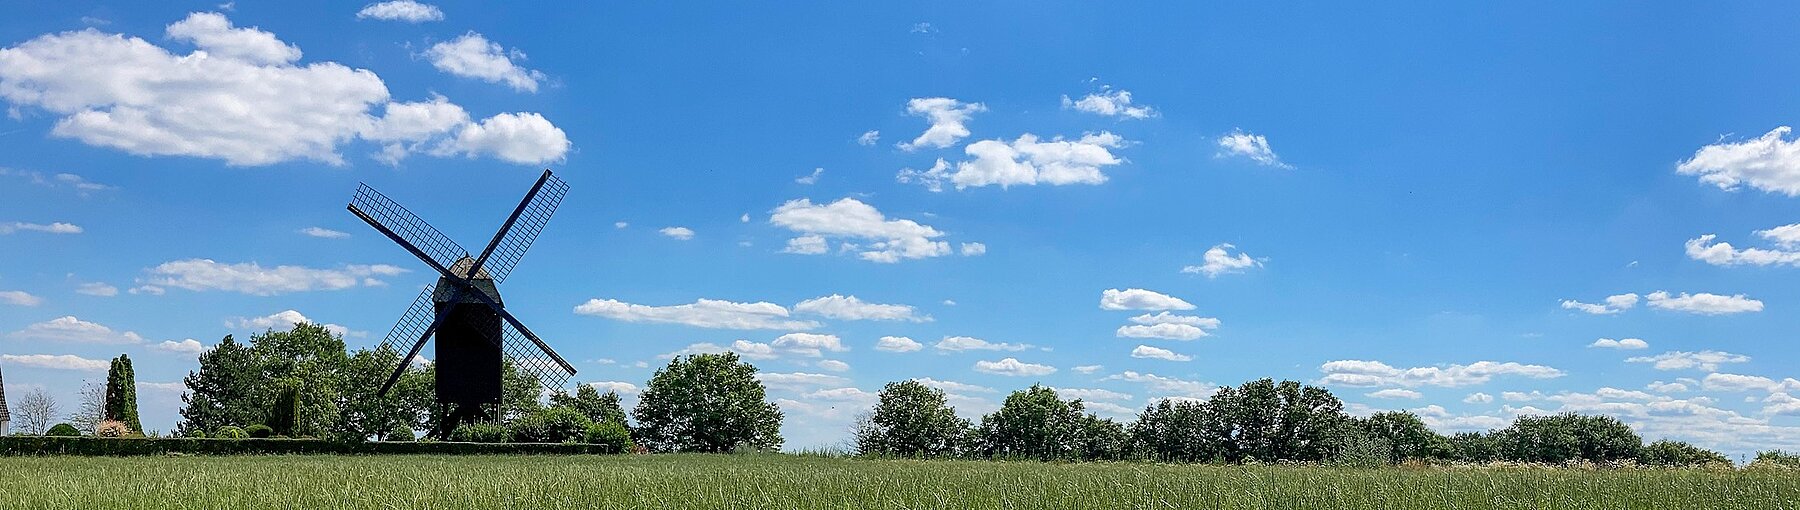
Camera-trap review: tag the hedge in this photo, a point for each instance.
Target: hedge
(109, 446)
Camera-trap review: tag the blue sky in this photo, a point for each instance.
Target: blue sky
(1420, 206)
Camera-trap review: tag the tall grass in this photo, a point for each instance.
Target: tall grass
(822, 481)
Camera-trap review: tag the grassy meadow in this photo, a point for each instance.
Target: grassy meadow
(788, 481)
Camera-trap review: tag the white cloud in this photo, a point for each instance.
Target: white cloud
(1395, 393)
(1375, 373)
(964, 343)
(704, 313)
(1148, 352)
(1087, 369)
(1170, 385)
(147, 289)
(868, 138)
(888, 241)
(809, 344)
(1163, 331)
(51, 228)
(1667, 387)
(19, 298)
(745, 348)
(947, 117)
(251, 278)
(1253, 146)
(1478, 398)
(680, 233)
(1785, 236)
(1110, 103)
(833, 365)
(1088, 394)
(620, 224)
(473, 56)
(1025, 161)
(1171, 318)
(1217, 261)
(1724, 254)
(1614, 304)
(97, 289)
(401, 10)
(1621, 344)
(68, 329)
(897, 344)
(1737, 382)
(55, 362)
(852, 309)
(954, 386)
(800, 380)
(284, 321)
(324, 233)
(1013, 367)
(620, 387)
(214, 34)
(79, 184)
(189, 347)
(1683, 360)
(973, 249)
(811, 178)
(1704, 303)
(525, 138)
(1140, 299)
(1768, 163)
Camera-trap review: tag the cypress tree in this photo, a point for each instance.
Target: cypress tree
(121, 394)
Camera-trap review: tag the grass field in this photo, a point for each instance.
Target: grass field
(783, 481)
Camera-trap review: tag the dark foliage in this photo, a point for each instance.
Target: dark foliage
(63, 430)
(707, 403)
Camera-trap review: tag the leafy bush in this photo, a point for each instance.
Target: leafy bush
(612, 435)
(553, 425)
(112, 428)
(1679, 454)
(1777, 458)
(1567, 437)
(63, 430)
(197, 434)
(483, 432)
(1365, 449)
(401, 433)
(259, 431)
(230, 432)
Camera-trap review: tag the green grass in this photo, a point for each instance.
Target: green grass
(786, 481)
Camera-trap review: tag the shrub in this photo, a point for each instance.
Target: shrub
(1364, 449)
(553, 425)
(481, 432)
(259, 431)
(612, 435)
(1679, 454)
(401, 433)
(230, 432)
(112, 428)
(1777, 458)
(63, 430)
(197, 434)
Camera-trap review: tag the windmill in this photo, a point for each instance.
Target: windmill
(475, 334)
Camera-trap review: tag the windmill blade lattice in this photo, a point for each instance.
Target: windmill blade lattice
(427, 242)
(532, 217)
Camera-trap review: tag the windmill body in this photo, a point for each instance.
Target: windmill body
(476, 338)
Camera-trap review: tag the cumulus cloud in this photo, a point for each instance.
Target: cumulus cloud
(704, 313)
(401, 10)
(325, 233)
(811, 178)
(833, 365)
(1087, 369)
(1621, 344)
(241, 97)
(48, 228)
(897, 344)
(1478, 398)
(284, 321)
(678, 233)
(1374, 373)
(619, 387)
(1768, 163)
(972, 249)
(1684, 360)
(808, 344)
(1092, 394)
(1218, 260)
(1613, 304)
(1240, 144)
(1140, 299)
(947, 117)
(859, 228)
(79, 184)
(19, 298)
(1739, 382)
(965, 343)
(525, 138)
(1110, 103)
(800, 380)
(1013, 367)
(1148, 352)
(1025, 161)
(251, 278)
(68, 329)
(1786, 237)
(1167, 326)
(190, 347)
(852, 309)
(474, 56)
(55, 362)
(1395, 393)
(868, 138)
(1704, 303)
(1170, 386)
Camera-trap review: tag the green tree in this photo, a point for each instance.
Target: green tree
(1268, 421)
(1566, 437)
(284, 413)
(911, 419)
(1406, 436)
(1101, 439)
(220, 392)
(1033, 423)
(121, 394)
(364, 413)
(1473, 447)
(1180, 430)
(707, 403)
(597, 407)
(314, 360)
(1668, 453)
(519, 393)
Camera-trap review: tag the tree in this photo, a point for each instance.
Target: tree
(1033, 423)
(364, 414)
(121, 394)
(34, 412)
(1267, 421)
(598, 408)
(1473, 447)
(92, 411)
(284, 414)
(911, 419)
(1099, 438)
(1566, 437)
(1406, 435)
(314, 361)
(518, 393)
(219, 393)
(707, 403)
(1668, 453)
(1180, 430)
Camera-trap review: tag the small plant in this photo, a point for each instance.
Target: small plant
(611, 434)
(553, 425)
(230, 432)
(112, 428)
(259, 431)
(481, 432)
(400, 434)
(63, 430)
(196, 434)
